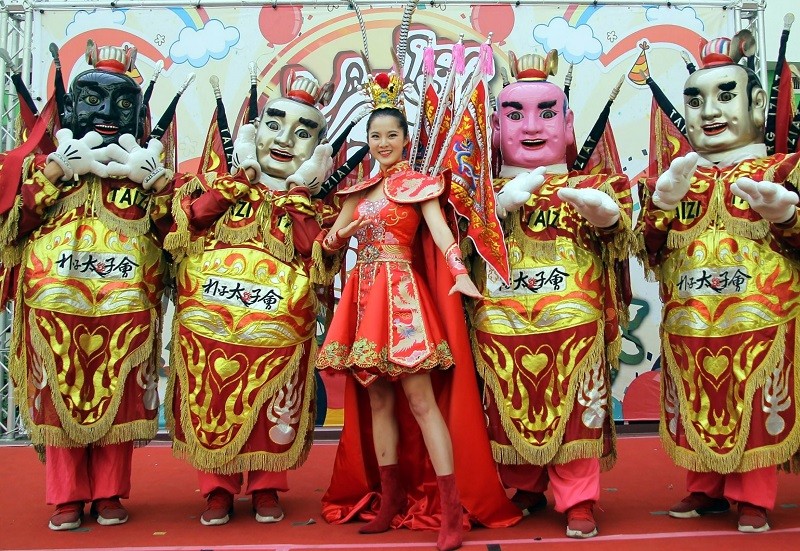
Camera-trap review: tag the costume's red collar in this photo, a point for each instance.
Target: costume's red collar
(395, 168)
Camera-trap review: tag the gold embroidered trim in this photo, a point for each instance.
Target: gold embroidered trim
(545, 454)
(71, 434)
(229, 460)
(702, 459)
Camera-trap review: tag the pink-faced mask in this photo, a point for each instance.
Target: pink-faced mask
(532, 126)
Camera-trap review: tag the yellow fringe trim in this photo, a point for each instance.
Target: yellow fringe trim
(229, 460)
(9, 228)
(77, 199)
(542, 455)
(700, 458)
(124, 226)
(72, 434)
(324, 266)
(179, 241)
(715, 214)
(793, 177)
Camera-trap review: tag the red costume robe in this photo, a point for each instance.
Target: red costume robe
(241, 391)
(87, 323)
(730, 283)
(546, 343)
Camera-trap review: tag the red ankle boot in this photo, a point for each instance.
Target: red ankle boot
(451, 533)
(393, 498)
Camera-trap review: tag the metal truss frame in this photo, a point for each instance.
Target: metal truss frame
(16, 24)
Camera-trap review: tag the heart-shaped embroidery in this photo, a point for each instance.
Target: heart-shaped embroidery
(715, 365)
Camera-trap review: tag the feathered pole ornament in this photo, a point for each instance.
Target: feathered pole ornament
(445, 97)
(16, 78)
(165, 120)
(781, 97)
(484, 69)
(363, 27)
(690, 67)
(405, 23)
(568, 80)
(597, 130)
(428, 72)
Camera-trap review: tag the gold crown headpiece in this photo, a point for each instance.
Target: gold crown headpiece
(385, 90)
(114, 59)
(533, 67)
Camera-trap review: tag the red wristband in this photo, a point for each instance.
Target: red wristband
(454, 261)
(332, 242)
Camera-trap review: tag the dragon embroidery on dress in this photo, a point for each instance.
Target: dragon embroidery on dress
(464, 150)
(406, 322)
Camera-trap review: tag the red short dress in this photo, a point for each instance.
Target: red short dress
(386, 324)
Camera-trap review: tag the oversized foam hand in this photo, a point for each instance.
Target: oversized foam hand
(77, 157)
(314, 170)
(772, 201)
(141, 164)
(244, 151)
(517, 192)
(597, 207)
(672, 186)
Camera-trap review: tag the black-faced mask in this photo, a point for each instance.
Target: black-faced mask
(108, 103)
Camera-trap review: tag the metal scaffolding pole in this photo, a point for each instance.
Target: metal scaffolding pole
(749, 15)
(16, 28)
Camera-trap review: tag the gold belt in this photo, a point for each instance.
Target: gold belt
(383, 253)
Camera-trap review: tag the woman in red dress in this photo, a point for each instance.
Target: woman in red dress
(386, 327)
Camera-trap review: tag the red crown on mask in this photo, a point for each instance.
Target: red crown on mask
(114, 59)
(725, 51)
(306, 89)
(533, 67)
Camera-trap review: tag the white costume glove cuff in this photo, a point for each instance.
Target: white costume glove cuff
(62, 161)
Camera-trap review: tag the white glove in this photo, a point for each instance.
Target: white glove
(128, 159)
(597, 207)
(76, 157)
(314, 170)
(517, 192)
(672, 186)
(772, 201)
(244, 151)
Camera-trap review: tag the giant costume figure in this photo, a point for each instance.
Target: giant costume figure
(545, 343)
(720, 232)
(242, 385)
(86, 339)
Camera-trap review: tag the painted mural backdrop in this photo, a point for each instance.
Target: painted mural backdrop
(603, 43)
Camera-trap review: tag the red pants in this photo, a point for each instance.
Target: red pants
(232, 483)
(87, 474)
(758, 487)
(572, 482)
